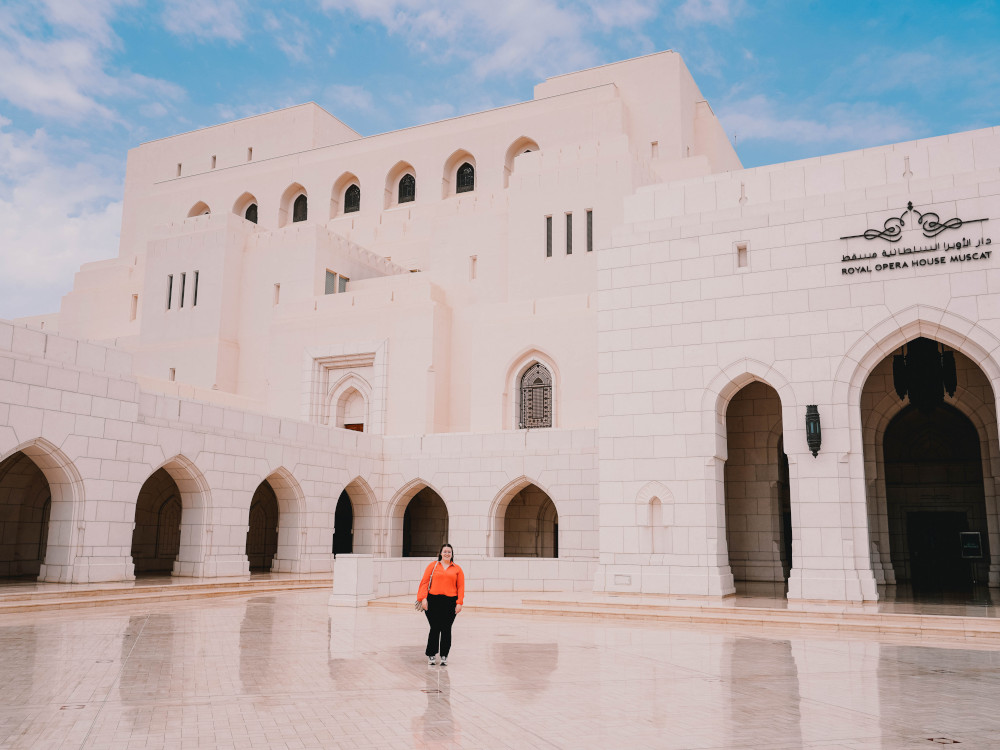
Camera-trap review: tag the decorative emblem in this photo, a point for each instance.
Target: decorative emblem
(929, 222)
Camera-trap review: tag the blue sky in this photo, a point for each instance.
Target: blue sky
(82, 81)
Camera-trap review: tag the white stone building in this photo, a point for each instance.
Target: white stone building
(571, 336)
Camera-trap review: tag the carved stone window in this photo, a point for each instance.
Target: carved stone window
(536, 398)
(465, 180)
(251, 213)
(300, 209)
(352, 199)
(407, 189)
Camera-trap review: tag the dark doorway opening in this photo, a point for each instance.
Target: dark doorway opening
(934, 493)
(343, 526)
(936, 563)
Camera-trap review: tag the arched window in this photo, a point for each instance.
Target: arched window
(536, 398)
(407, 189)
(352, 199)
(465, 180)
(300, 209)
(251, 213)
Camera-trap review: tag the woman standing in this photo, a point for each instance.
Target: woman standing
(442, 590)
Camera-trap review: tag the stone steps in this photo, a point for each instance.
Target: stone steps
(981, 632)
(95, 595)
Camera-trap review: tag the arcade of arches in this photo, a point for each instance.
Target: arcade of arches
(25, 504)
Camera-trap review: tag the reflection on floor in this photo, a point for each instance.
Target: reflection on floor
(286, 670)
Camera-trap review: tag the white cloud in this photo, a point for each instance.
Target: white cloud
(54, 61)
(717, 12)
(205, 19)
(355, 98)
(54, 216)
(835, 125)
(536, 36)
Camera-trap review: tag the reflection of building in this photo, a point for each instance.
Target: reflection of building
(571, 336)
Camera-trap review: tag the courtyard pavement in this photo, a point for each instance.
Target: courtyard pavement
(285, 670)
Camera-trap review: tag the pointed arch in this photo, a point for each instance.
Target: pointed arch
(521, 146)
(955, 331)
(365, 518)
(461, 161)
(247, 207)
(397, 510)
(335, 404)
(287, 206)
(495, 521)
(392, 181)
(199, 209)
(516, 368)
(731, 380)
(66, 498)
(341, 203)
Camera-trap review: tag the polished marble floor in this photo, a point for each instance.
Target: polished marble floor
(287, 671)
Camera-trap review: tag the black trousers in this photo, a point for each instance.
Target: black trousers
(440, 614)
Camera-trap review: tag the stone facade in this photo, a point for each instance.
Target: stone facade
(610, 274)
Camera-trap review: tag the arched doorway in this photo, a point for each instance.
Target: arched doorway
(156, 539)
(758, 502)
(343, 525)
(262, 533)
(929, 426)
(530, 525)
(425, 524)
(25, 505)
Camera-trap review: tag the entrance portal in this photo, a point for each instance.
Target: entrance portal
(25, 504)
(758, 506)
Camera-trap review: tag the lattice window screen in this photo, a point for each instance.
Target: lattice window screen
(536, 398)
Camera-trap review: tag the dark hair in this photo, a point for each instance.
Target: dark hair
(449, 547)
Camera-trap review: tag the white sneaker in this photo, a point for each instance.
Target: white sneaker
(430, 661)
(444, 661)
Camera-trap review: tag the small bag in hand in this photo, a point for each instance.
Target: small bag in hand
(419, 605)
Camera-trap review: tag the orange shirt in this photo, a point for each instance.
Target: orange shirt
(448, 581)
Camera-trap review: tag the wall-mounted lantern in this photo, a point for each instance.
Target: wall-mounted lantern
(814, 434)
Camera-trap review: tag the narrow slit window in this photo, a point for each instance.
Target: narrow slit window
(569, 234)
(654, 149)
(342, 283)
(472, 267)
(178, 169)
(742, 255)
(194, 292)
(331, 282)
(249, 153)
(548, 236)
(184, 278)
(277, 294)
(590, 231)
(172, 374)
(134, 308)
(213, 161)
(170, 289)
